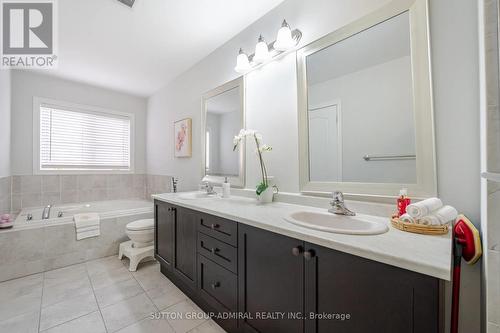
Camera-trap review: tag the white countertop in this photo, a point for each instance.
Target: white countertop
(429, 255)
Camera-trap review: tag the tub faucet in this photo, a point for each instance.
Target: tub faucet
(174, 184)
(46, 212)
(338, 206)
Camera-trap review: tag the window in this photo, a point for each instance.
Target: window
(207, 151)
(82, 138)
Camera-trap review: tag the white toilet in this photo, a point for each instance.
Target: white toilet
(140, 245)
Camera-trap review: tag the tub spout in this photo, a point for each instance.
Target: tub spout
(46, 212)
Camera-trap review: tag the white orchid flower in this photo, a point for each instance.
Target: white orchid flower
(264, 148)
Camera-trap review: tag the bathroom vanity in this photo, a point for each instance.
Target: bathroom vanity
(258, 273)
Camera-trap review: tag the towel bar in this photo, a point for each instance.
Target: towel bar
(388, 157)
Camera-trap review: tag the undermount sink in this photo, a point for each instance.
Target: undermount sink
(197, 195)
(340, 224)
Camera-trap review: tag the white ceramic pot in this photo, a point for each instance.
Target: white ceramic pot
(268, 195)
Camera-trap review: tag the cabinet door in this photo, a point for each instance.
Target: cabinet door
(377, 297)
(185, 245)
(270, 281)
(164, 233)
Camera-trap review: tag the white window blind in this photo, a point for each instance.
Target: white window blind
(83, 140)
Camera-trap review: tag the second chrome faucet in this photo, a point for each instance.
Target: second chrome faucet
(338, 206)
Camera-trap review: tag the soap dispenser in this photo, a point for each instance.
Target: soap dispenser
(226, 189)
(403, 201)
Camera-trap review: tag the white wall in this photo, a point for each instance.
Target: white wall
(25, 85)
(5, 114)
(272, 106)
(387, 101)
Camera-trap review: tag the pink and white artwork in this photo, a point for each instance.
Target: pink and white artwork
(182, 138)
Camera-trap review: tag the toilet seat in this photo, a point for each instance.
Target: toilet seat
(146, 224)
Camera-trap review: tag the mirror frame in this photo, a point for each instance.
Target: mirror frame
(426, 185)
(239, 181)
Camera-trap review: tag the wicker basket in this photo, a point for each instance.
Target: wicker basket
(419, 228)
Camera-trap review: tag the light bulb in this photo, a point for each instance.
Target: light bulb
(261, 51)
(284, 41)
(242, 64)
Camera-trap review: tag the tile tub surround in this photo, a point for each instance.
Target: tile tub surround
(429, 255)
(5, 195)
(28, 251)
(35, 191)
(157, 184)
(98, 296)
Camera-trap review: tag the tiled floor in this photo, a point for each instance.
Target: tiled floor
(99, 296)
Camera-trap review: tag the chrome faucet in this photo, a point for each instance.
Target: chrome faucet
(209, 188)
(46, 212)
(338, 206)
(174, 184)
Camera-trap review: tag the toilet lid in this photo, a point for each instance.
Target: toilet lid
(141, 224)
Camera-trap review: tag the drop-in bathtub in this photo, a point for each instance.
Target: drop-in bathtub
(61, 214)
(39, 245)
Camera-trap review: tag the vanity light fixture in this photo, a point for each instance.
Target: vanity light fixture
(286, 41)
(242, 63)
(261, 51)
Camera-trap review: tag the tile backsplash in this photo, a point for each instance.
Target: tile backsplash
(18, 192)
(5, 194)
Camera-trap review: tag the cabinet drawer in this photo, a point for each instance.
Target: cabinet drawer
(217, 283)
(219, 228)
(220, 252)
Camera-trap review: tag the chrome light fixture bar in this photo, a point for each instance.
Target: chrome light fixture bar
(129, 3)
(286, 41)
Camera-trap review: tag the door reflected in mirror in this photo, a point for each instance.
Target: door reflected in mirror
(360, 107)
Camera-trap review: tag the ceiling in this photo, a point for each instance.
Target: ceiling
(138, 50)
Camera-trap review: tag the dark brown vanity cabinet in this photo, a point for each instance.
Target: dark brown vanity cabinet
(331, 290)
(280, 284)
(271, 281)
(175, 245)
(164, 234)
(377, 297)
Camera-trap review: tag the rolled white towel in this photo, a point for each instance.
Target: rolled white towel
(425, 207)
(441, 216)
(407, 218)
(429, 220)
(446, 214)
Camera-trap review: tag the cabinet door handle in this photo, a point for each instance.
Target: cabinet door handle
(308, 255)
(214, 226)
(215, 285)
(296, 251)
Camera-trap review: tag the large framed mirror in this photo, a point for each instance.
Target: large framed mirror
(365, 106)
(223, 115)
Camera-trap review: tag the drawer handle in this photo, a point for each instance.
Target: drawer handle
(214, 226)
(308, 255)
(214, 250)
(215, 285)
(296, 251)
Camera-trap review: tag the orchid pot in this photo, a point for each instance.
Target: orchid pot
(265, 189)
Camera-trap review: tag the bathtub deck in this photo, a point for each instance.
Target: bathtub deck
(97, 296)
